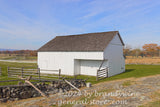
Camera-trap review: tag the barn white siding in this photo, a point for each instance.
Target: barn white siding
(114, 54)
(68, 62)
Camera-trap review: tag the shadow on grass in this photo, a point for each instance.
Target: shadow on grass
(128, 70)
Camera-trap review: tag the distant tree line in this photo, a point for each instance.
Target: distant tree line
(20, 52)
(147, 50)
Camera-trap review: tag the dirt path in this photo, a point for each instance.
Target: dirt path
(129, 92)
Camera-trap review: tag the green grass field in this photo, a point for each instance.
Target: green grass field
(131, 71)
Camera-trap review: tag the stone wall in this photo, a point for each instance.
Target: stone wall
(24, 91)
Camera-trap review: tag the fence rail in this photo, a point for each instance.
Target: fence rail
(36, 73)
(101, 74)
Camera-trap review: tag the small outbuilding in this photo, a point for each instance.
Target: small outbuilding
(83, 54)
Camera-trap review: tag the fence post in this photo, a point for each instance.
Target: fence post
(75, 76)
(38, 73)
(97, 76)
(107, 71)
(8, 70)
(0, 71)
(22, 72)
(59, 73)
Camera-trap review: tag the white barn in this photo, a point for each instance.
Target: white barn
(83, 54)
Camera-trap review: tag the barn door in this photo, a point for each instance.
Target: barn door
(90, 67)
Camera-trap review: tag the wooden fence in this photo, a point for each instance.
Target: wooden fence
(101, 74)
(34, 72)
(23, 72)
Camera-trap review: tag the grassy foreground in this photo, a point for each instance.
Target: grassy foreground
(131, 71)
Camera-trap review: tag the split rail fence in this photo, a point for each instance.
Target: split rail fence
(101, 74)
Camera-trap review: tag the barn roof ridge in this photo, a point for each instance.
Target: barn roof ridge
(83, 34)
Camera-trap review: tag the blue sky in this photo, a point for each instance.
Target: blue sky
(28, 24)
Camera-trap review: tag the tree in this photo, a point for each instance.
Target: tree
(150, 49)
(158, 51)
(33, 53)
(135, 52)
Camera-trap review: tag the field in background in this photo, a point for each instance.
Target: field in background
(142, 60)
(17, 57)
